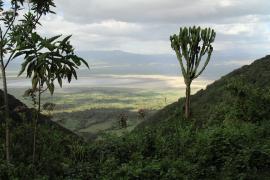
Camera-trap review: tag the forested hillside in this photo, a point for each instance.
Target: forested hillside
(227, 138)
(242, 82)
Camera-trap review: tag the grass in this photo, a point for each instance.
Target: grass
(93, 111)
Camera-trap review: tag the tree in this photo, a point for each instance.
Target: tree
(49, 107)
(47, 60)
(190, 46)
(9, 18)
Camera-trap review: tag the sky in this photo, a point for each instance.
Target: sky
(144, 26)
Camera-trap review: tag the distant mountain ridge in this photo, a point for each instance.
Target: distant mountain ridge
(120, 62)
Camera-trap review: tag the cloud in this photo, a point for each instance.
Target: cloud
(169, 11)
(144, 27)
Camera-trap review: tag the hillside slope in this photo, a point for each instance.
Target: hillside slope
(20, 113)
(227, 138)
(52, 144)
(255, 75)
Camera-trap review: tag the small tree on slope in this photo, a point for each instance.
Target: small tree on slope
(190, 46)
(47, 61)
(10, 15)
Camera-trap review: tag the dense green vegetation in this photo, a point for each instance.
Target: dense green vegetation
(46, 60)
(190, 46)
(227, 138)
(224, 134)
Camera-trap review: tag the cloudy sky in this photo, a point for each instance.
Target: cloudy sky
(144, 26)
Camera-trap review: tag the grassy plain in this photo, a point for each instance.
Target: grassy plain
(91, 111)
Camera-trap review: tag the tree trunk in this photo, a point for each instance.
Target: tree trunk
(34, 139)
(36, 123)
(7, 118)
(187, 103)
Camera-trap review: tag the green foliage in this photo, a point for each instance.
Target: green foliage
(233, 141)
(48, 106)
(42, 7)
(170, 149)
(232, 151)
(1, 5)
(52, 153)
(242, 102)
(10, 39)
(192, 44)
(13, 26)
(47, 60)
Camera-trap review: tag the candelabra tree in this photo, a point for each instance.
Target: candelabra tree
(191, 45)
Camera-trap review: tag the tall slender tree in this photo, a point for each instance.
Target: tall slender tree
(9, 17)
(7, 21)
(190, 46)
(47, 61)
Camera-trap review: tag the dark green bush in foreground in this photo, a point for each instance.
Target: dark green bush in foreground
(234, 150)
